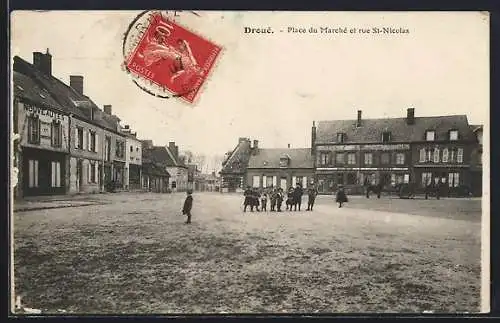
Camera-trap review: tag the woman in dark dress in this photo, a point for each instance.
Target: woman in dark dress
(341, 196)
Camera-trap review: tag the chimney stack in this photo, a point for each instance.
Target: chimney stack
(43, 62)
(313, 138)
(107, 109)
(76, 82)
(410, 116)
(358, 123)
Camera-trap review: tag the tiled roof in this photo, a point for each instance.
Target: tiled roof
(371, 129)
(153, 169)
(159, 155)
(24, 87)
(71, 101)
(238, 160)
(270, 158)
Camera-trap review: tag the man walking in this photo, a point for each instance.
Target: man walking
(188, 204)
(311, 196)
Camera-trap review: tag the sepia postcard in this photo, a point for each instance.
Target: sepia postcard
(223, 162)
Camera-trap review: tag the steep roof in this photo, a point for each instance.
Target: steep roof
(151, 168)
(70, 100)
(161, 155)
(371, 129)
(26, 88)
(270, 158)
(238, 160)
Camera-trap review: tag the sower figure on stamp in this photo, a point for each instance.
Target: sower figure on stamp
(311, 196)
(297, 196)
(188, 204)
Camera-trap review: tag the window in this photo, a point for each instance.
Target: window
(137, 149)
(33, 130)
(460, 155)
(32, 173)
(400, 158)
(131, 148)
(174, 184)
(422, 155)
(92, 172)
(453, 179)
(340, 137)
(93, 141)
(56, 139)
(453, 156)
(368, 158)
(256, 181)
(426, 179)
(79, 138)
(56, 174)
(436, 155)
(429, 155)
(283, 162)
(445, 155)
(324, 158)
(351, 178)
(340, 179)
(269, 181)
(384, 158)
(107, 148)
(351, 159)
(339, 158)
(406, 178)
(120, 149)
(386, 136)
(429, 135)
(453, 134)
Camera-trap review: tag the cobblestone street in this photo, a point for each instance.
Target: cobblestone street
(132, 253)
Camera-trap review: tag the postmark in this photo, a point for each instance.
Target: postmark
(167, 59)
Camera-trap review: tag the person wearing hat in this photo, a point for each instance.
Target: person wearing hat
(312, 192)
(188, 205)
(248, 199)
(341, 196)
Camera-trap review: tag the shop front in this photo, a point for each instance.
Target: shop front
(43, 172)
(455, 181)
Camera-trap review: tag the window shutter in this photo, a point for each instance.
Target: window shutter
(445, 155)
(84, 143)
(275, 181)
(96, 172)
(304, 181)
(88, 172)
(89, 140)
(422, 155)
(264, 181)
(76, 138)
(460, 155)
(294, 181)
(436, 155)
(96, 142)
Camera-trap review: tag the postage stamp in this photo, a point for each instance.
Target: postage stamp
(166, 59)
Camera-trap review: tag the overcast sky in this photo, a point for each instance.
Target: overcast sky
(271, 87)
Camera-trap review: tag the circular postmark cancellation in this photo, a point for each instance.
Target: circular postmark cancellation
(166, 59)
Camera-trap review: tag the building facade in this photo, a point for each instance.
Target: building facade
(133, 157)
(41, 151)
(392, 151)
(234, 167)
(477, 162)
(282, 168)
(179, 172)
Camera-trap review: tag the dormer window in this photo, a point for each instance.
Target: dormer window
(386, 136)
(453, 134)
(284, 161)
(430, 135)
(340, 137)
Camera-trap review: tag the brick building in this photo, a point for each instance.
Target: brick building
(392, 151)
(275, 167)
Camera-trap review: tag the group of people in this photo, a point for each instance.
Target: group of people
(255, 198)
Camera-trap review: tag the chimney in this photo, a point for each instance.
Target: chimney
(107, 109)
(313, 138)
(176, 151)
(43, 62)
(76, 82)
(358, 123)
(410, 116)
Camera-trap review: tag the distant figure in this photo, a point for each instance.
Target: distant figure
(255, 200)
(341, 196)
(248, 199)
(297, 196)
(290, 198)
(274, 198)
(312, 192)
(188, 204)
(263, 202)
(279, 199)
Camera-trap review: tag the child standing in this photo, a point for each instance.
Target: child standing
(341, 196)
(188, 205)
(263, 202)
(274, 196)
(279, 199)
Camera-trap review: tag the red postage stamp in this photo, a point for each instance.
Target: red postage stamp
(172, 57)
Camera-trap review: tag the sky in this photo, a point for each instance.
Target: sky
(271, 87)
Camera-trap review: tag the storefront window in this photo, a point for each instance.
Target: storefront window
(453, 179)
(351, 178)
(368, 158)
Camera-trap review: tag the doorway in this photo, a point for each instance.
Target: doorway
(283, 183)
